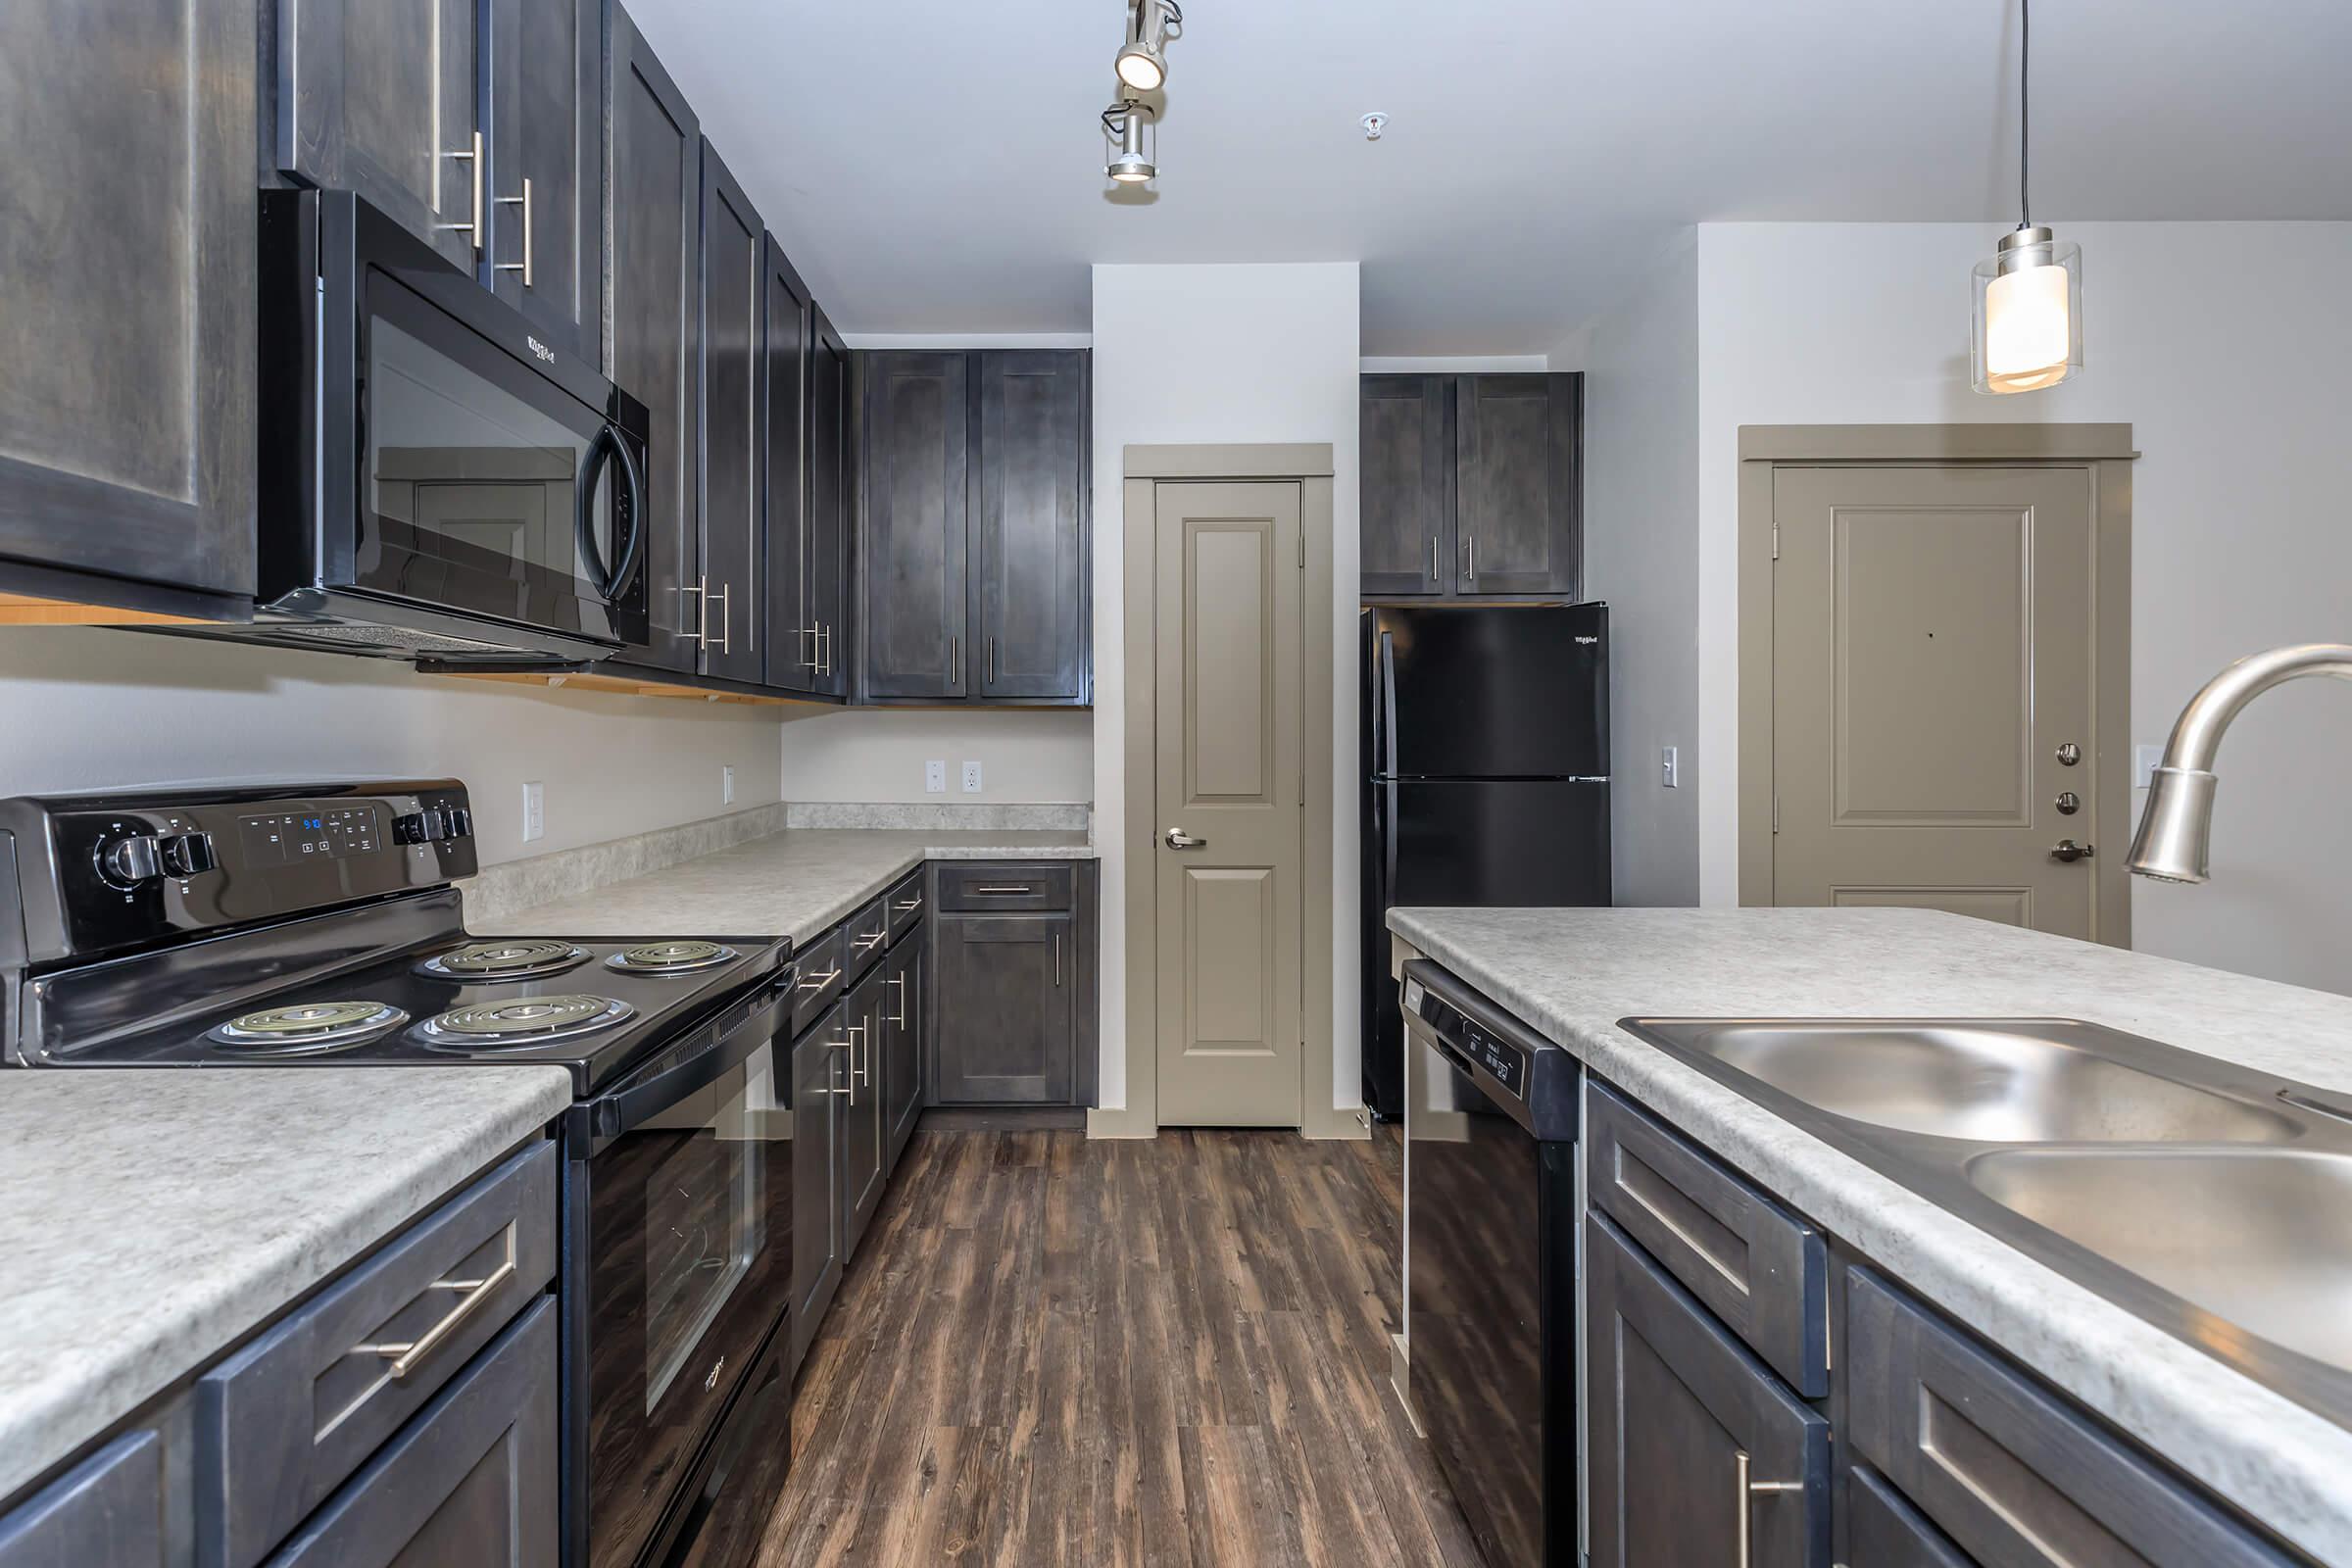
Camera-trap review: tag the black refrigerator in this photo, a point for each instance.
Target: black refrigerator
(1486, 768)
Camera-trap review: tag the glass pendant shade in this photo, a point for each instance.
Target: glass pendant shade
(2029, 314)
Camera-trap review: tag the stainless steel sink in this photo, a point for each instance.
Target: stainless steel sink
(2028, 1080)
(2210, 1200)
(2258, 1238)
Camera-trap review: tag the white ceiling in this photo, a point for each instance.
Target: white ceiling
(936, 168)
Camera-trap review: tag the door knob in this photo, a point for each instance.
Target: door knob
(1179, 838)
(2069, 851)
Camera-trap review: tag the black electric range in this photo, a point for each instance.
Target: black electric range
(318, 925)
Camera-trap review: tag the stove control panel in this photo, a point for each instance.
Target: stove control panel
(102, 873)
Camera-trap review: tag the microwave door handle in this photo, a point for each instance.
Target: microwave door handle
(603, 446)
(633, 553)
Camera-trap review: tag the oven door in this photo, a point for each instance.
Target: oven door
(687, 1268)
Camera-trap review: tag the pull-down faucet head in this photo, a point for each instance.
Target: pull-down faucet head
(2175, 829)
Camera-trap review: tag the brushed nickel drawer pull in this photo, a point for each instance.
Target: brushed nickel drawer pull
(1013, 892)
(1057, 957)
(406, 1358)
(818, 982)
(869, 942)
(911, 905)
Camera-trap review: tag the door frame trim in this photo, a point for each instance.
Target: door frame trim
(2103, 451)
(1310, 466)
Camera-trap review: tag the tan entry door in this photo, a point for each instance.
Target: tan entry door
(1933, 635)
(1228, 840)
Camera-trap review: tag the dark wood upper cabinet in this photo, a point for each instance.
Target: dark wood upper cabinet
(916, 502)
(653, 150)
(1029, 539)
(128, 291)
(1518, 483)
(546, 197)
(784, 420)
(1472, 486)
(1405, 447)
(831, 402)
(379, 98)
(734, 521)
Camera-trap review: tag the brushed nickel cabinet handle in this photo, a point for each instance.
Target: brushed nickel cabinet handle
(472, 230)
(701, 613)
(857, 1074)
(1007, 892)
(871, 940)
(1748, 1491)
(899, 1017)
(1432, 559)
(852, 1080)
(524, 266)
(911, 905)
(824, 637)
(992, 662)
(818, 982)
(1057, 957)
(726, 616)
(1470, 574)
(954, 656)
(406, 1358)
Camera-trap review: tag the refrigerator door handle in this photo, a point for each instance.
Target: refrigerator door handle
(1387, 705)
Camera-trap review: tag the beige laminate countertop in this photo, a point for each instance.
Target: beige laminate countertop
(797, 883)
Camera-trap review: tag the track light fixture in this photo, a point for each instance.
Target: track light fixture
(1127, 124)
(1142, 60)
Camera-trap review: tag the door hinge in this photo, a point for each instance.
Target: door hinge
(1776, 811)
(1776, 540)
(1302, 550)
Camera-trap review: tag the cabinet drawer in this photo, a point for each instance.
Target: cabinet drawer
(820, 973)
(906, 903)
(865, 935)
(108, 1509)
(470, 1484)
(1883, 1530)
(1008, 887)
(2008, 1471)
(283, 1421)
(1756, 1266)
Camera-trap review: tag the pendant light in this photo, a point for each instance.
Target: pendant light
(2028, 296)
(1126, 123)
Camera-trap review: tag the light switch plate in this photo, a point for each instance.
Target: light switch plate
(1670, 767)
(935, 776)
(2145, 760)
(971, 778)
(726, 785)
(534, 811)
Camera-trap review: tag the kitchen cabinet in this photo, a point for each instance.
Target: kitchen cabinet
(652, 274)
(546, 193)
(831, 400)
(728, 584)
(108, 1509)
(1472, 486)
(907, 992)
(863, 1177)
(1697, 1453)
(1405, 431)
(1007, 1021)
(786, 323)
(1029, 600)
(916, 506)
(819, 1068)
(128, 293)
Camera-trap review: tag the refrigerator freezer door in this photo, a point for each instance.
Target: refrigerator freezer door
(1491, 693)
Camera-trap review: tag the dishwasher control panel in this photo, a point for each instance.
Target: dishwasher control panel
(1504, 1062)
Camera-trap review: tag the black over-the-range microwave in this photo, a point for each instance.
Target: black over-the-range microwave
(437, 483)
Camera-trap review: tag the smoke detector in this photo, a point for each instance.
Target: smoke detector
(1374, 123)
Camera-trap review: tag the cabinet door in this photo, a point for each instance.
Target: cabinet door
(818, 1071)
(1029, 542)
(108, 1509)
(912, 549)
(784, 470)
(829, 508)
(1405, 466)
(378, 97)
(654, 152)
(547, 169)
(906, 990)
(129, 288)
(1518, 484)
(861, 1139)
(1004, 1008)
(732, 285)
(470, 1484)
(1695, 1448)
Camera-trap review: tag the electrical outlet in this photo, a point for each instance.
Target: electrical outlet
(971, 778)
(2144, 762)
(534, 811)
(1670, 767)
(726, 785)
(935, 776)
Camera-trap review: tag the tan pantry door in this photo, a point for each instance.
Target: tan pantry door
(1931, 672)
(1228, 836)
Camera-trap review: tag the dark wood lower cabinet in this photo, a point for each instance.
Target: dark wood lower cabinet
(1006, 1017)
(107, 1509)
(1698, 1453)
(864, 1173)
(819, 1094)
(907, 988)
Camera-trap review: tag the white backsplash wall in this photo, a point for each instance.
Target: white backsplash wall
(84, 710)
(877, 753)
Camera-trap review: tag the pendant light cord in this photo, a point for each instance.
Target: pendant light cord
(2024, 116)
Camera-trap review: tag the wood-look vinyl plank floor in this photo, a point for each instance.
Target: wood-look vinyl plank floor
(1170, 1354)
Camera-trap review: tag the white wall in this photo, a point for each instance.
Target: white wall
(1215, 354)
(877, 753)
(1641, 365)
(83, 709)
(2239, 401)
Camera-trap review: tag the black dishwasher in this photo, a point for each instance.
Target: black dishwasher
(1490, 1231)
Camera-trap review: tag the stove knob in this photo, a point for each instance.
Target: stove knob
(128, 862)
(418, 827)
(459, 819)
(190, 854)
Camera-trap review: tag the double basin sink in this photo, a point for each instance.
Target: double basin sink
(2212, 1200)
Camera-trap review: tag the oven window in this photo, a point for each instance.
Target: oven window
(706, 1221)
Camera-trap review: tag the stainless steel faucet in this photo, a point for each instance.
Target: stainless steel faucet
(2175, 831)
